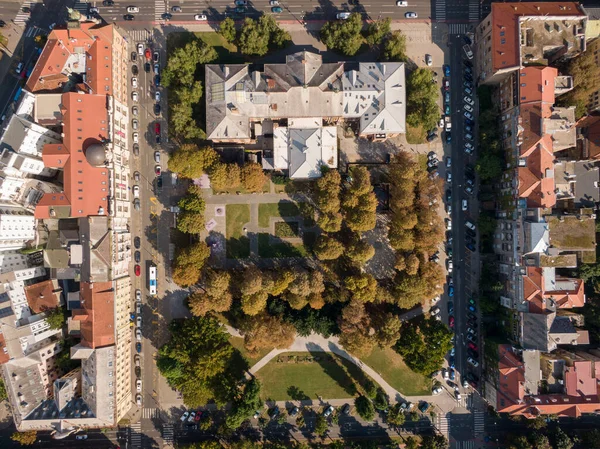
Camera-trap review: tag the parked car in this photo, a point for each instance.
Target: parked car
(424, 406)
(201, 17)
(328, 411)
(346, 409)
(465, 205)
(342, 15)
(446, 69)
(473, 362)
(138, 270)
(468, 51)
(138, 347)
(468, 100)
(138, 385)
(138, 400)
(185, 416)
(468, 107)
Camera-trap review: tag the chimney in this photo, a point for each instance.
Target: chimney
(256, 77)
(226, 71)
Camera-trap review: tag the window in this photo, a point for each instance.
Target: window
(503, 41)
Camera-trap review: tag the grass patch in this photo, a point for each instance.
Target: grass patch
(238, 245)
(281, 209)
(570, 233)
(290, 376)
(285, 229)
(278, 248)
(415, 135)
(238, 344)
(389, 364)
(226, 51)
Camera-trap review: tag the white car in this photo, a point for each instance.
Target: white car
(138, 385)
(469, 145)
(448, 177)
(448, 224)
(157, 157)
(138, 321)
(136, 138)
(470, 225)
(274, 3)
(473, 362)
(157, 96)
(448, 162)
(140, 49)
(184, 417)
(450, 266)
(458, 396)
(468, 100)
(468, 150)
(434, 311)
(342, 15)
(437, 390)
(465, 205)
(135, 124)
(468, 107)
(138, 334)
(201, 17)
(411, 15)
(468, 51)
(138, 295)
(446, 374)
(402, 3)
(132, 9)
(138, 400)
(134, 82)
(94, 10)
(136, 191)
(135, 96)
(428, 60)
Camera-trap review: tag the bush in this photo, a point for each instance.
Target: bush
(364, 407)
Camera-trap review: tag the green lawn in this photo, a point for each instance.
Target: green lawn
(415, 135)
(281, 209)
(391, 367)
(238, 245)
(228, 52)
(270, 250)
(330, 377)
(238, 343)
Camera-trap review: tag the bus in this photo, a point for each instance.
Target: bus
(152, 280)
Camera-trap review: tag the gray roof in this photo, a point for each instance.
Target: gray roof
(535, 330)
(18, 129)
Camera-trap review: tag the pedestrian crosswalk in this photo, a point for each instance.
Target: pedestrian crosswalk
(32, 32)
(473, 10)
(135, 435)
(440, 10)
(478, 422)
(167, 433)
(82, 7)
(150, 413)
(458, 28)
(160, 8)
(139, 35)
(464, 445)
(23, 17)
(443, 424)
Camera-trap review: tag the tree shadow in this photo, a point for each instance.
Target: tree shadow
(297, 394)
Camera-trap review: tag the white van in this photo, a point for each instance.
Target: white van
(131, 9)
(470, 225)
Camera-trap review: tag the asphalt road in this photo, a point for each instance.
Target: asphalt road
(217, 10)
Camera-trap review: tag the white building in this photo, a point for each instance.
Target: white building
(17, 227)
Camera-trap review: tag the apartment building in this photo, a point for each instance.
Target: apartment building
(532, 383)
(17, 227)
(515, 35)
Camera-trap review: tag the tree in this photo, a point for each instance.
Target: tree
(489, 166)
(255, 303)
(201, 303)
(225, 176)
(586, 76)
(378, 30)
(253, 178)
(343, 35)
(183, 62)
(188, 264)
(190, 161)
(387, 329)
(359, 202)
(56, 318)
(396, 416)
(363, 287)
(364, 407)
(411, 443)
(253, 39)
(381, 401)
(3, 395)
(267, 332)
(562, 440)
(328, 248)
(25, 438)
(394, 48)
(421, 102)
(227, 29)
(321, 425)
(190, 222)
(434, 442)
(244, 406)
(359, 251)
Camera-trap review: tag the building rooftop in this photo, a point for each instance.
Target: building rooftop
(43, 295)
(86, 187)
(97, 314)
(570, 233)
(96, 245)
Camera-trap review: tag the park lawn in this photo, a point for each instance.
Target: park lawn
(236, 216)
(270, 250)
(228, 52)
(331, 377)
(281, 209)
(238, 343)
(389, 364)
(415, 135)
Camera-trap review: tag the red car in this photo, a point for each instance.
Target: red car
(157, 128)
(451, 321)
(157, 170)
(473, 346)
(138, 270)
(148, 54)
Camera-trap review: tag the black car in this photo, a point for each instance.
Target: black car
(158, 139)
(156, 109)
(448, 196)
(134, 70)
(469, 122)
(450, 308)
(432, 137)
(468, 63)
(473, 354)
(137, 242)
(467, 40)
(108, 3)
(2, 23)
(137, 255)
(468, 70)
(468, 77)
(346, 409)
(166, 16)
(157, 80)
(133, 56)
(159, 182)
(128, 17)
(147, 67)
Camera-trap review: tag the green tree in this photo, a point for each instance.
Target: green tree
(394, 48)
(253, 39)
(434, 442)
(190, 161)
(396, 416)
(253, 177)
(244, 406)
(321, 425)
(362, 286)
(227, 29)
(56, 318)
(586, 77)
(387, 329)
(193, 201)
(25, 438)
(328, 248)
(359, 202)
(489, 166)
(562, 440)
(411, 443)
(183, 62)
(364, 407)
(381, 401)
(343, 36)
(3, 395)
(378, 30)
(359, 251)
(188, 264)
(421, 102)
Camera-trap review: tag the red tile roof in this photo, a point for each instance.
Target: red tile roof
(97, 314)
(4, 356)
(42, 296)
(51, 70)
(536, 295)
(505, 27)
(86, 189)
(537, 84)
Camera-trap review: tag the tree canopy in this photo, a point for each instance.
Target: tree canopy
(394, 48)
(255, 37)
(191, 161)
(421, 101)
(343, 36)
(378, 30)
